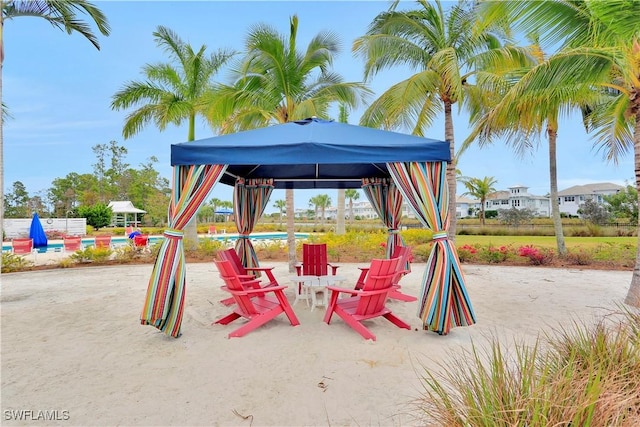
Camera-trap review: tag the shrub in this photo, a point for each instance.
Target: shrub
(12, 262)
(493, 255)
(536, 256)
(580, 257)
(467, 253)
(91, 254)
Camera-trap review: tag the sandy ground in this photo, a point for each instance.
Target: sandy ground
(73, 348)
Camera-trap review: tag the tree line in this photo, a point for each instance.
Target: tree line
(86, 195)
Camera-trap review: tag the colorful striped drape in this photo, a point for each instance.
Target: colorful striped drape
(250, 198)
(444, 302)
(386, 199)
(164, 303)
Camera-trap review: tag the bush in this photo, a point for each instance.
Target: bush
(12, 262)
(91, 254)
(467, 253)
(536, 256)
(580, 257)
(493, 255)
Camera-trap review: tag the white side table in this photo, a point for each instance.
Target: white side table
(324, 281)
(318, 287)
(302, 285)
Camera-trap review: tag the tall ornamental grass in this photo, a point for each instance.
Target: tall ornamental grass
(583, 375)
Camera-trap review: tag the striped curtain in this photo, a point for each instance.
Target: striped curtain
(250, 198)
(386, 199)
(164, 304)
(444, 302)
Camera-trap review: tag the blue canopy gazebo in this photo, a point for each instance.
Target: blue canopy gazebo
(307, 154)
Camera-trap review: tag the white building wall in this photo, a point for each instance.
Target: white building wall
(19, 227)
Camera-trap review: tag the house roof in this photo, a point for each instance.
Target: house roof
(599, 187)
(124, 206)
(310, 153)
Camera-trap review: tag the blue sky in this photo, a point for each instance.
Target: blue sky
(58, 89)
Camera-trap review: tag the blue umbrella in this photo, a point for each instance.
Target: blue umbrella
(36, 232)
(224, 211)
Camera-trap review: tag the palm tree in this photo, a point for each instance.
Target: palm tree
(599, 49)
(479, 189)
(280, 205)
(445, 48)
(171, 92)
(62, 15)
(277, 83)
(322, 201)
(521, 112)
(215, 203)
(352, 195)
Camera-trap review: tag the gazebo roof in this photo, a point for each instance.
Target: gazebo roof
(310, 153)
(124, 206)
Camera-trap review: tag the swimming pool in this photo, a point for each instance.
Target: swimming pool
(55, 246)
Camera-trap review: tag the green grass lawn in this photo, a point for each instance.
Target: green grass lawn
(545, 241)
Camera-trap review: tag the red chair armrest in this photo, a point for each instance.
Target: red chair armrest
(344, 290)
(334, 269)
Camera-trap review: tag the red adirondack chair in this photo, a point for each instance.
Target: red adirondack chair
(244, 274)
(368, 302)
(141, 243)
(71, 244)
(23, 246)
(232, 256)
(404, 254)
(102, 241)
(252, 304)
(315, 261)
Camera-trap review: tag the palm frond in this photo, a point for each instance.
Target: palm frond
(62, 14)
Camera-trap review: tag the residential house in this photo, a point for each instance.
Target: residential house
(466, 207)
(570, 199)
(518, 197)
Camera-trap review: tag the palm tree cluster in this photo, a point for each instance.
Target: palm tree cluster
(516, 66)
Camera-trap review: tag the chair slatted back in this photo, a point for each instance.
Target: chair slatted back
(102, 241)
(72, 243)
(381, 275)
(232, 256)
(141, 240)
(403, 253)
(314, 259)
(233, 283)
(22, 246)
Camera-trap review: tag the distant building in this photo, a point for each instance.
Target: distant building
(518, 197)
(466, 207)
(570, 199)
(124, 213)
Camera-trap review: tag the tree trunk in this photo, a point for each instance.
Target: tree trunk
(553, 180)
(291, 230)
(350, 211)
(1, 126)
(633, 296)
(451, 170)
(340, 227)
